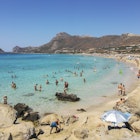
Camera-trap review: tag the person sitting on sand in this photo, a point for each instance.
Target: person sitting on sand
(120, 102)
(55, 124)
(138, 75)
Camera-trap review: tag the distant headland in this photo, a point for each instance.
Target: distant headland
(66, 43)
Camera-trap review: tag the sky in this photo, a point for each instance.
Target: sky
(35, 22)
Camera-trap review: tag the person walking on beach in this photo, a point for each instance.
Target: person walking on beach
(55, 124)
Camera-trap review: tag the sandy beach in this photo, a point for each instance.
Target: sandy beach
(87, 123)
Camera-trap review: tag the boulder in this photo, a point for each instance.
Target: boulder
(8, 115)
(46, 120)
(31, 116)
(81, 133)
(21, 109)
(136, 126)
(26, 113)
(5, 136)
(22, 131)
(133, 102)
(67, 97)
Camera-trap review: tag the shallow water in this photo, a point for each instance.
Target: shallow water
(102, 77)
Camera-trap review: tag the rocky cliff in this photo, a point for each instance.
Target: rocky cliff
(65, 43)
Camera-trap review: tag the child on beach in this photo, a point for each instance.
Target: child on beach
(55, 124)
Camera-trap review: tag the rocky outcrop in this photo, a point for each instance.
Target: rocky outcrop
(22, 131)
(26, 113)
(29, 49)
(11, 128)
(65, 43)
(47, 119)
(21, 109)
(67, 97)
(136, 126)
(8, 115)
(1, 51)
(81, 134)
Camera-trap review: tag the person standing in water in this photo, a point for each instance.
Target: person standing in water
(120, 89)
(123, 90)
(40, 88)
(35, 87)
(56, 82)
(5, 99)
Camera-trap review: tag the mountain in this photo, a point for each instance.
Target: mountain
(65, 43)
(1, 51)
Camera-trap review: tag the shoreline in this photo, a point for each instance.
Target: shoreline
(87, 124)
(110, 99)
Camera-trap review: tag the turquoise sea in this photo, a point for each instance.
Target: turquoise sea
(102, 76)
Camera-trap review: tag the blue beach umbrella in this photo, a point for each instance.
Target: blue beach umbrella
(115, 116)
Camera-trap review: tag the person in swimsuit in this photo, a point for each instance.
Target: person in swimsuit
(121, 101)
(5, 99)
(120, 89)
(123, 90)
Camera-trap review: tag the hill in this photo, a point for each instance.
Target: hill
(65, 43)
(1, 51)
